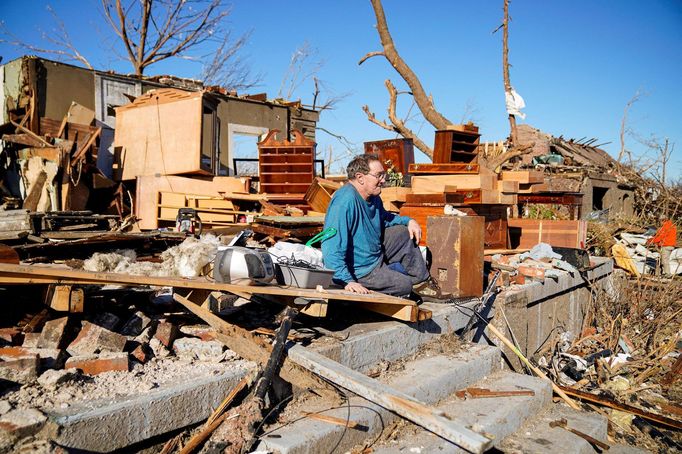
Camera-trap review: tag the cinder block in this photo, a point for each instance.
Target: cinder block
(20, 370)
(166, 333)
(97, 364)
(94, 339)
(53, 333)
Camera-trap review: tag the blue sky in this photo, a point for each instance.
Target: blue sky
(575, 63)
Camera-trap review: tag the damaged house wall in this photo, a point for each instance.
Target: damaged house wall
(56, 85)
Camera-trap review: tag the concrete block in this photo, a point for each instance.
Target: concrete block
(166, 332)
(11, 336)
(97, 364)
(53, 333)
(193, 348)
(94, 339)
(31, 340)
(22, 369)
(106, 426)
(135, 324)
(107, 320)
(22, 422)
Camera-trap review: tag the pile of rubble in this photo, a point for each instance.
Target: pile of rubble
(82, 358)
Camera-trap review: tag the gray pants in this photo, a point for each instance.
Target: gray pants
(398, 248)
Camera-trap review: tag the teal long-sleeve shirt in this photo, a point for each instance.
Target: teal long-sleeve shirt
(355, 250)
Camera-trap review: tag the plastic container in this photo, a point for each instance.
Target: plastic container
(296, 276)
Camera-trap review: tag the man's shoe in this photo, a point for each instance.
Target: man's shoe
(429, 290)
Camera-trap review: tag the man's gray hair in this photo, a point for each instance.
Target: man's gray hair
(360, 164)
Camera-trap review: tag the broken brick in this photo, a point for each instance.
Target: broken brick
(94, 339)
(20, 423)
(22, 369)
(53, 333)
(97, 364)
(203, 332)
(142, 353)
(11, 336)
(8, 353)
(166, 333)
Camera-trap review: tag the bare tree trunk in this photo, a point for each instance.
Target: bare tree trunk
(513, 137)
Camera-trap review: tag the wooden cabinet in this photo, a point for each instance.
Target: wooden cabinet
(399, 151)
(286, 167)
(456, 145)
(167, 132)
(456, 245)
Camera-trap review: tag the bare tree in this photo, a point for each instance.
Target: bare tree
(226, 67)
(57, 37)
(424, 102)
(624, 128)
(505, 71)
(154, 30)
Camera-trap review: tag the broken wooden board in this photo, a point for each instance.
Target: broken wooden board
(430, 418)
(437, 183)
(44, 274)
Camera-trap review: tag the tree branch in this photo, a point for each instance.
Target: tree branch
(424, 102)
(369, 55)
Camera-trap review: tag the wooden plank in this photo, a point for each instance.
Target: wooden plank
(437, 198)
(250, 346)
(195, 283)
(437, 183)
(404, 405)
(33, 135)
(434, 169)
(406, 313)
(49, 153)
(149, 186)
(560, 233)
(34, 192)
(523, 176)
(583, 395)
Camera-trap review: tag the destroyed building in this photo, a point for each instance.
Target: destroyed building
(148, 341)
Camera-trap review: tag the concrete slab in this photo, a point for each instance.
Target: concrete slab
(106, 426)
(427, 379)
(536, 436)
(497, 417)
(370, 343)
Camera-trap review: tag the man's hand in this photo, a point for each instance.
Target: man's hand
(414, 230)
(356, 287)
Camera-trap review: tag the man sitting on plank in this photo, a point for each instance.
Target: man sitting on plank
(373, 249)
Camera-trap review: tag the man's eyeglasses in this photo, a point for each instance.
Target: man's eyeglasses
(379, 176)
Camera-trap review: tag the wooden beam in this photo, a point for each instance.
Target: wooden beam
(250, 346)
(583, 395)
(119, 278)
(406, 406)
